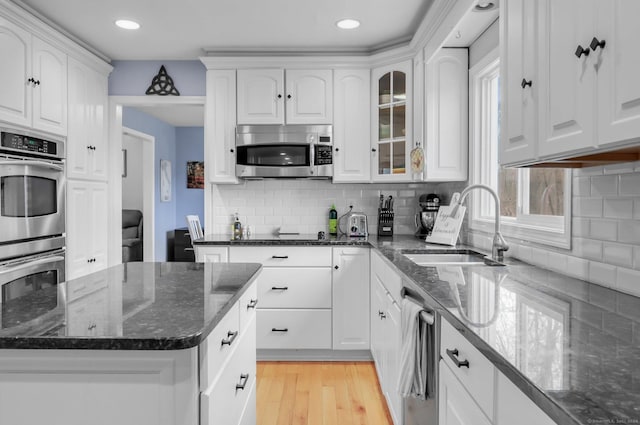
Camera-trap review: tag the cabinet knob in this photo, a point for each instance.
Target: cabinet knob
(595, 43)
(582, 51)
(231, 150)
(525, 83)
(336, 267)
(373, 149)
(279, 96)
(288, 96)
(337, 149)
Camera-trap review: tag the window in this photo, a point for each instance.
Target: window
(535, 203)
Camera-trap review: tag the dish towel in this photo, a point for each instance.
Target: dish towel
(417, 354)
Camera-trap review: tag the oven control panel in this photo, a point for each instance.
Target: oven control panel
(24, 143)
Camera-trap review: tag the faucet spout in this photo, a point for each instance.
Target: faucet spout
(499, 245)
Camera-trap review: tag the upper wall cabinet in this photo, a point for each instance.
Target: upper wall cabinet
(392, 124)
(87, 136)
(265, 96)
(446, 116)
(351, 127)
(220, 127)
(33, 82)
(587, 95)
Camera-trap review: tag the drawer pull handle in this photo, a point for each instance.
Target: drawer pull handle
(279, 330)
(279, 288)
(453, 354)
(252, 304)
(243, 381)
(382, 315)
(282, 257)
(230, 337)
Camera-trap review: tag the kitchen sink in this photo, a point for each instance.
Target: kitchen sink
(457, 257)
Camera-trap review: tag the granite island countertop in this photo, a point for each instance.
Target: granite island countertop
(571, 346)
(132, 306)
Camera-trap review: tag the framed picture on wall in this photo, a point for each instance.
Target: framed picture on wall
(195, 175)
(165, 180)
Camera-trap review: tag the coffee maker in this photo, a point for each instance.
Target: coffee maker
(426, 215)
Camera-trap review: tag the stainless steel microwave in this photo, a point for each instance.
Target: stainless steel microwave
(284, 151)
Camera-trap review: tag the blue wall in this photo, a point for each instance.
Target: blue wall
(165, 148)
(132, 78)
(189, 147)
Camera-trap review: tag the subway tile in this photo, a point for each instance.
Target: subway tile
(587, 248)
(630, 184)
(602, 186)
(629, 231)
(589, 171)
(606, 230)
(618, 254)
(625, 167)
(628, 281)
(618, 208)
(587, 207)
(581, 186)
(557, 262)
(580, 227)
(539, 257)
(602, 274)
(577, 267)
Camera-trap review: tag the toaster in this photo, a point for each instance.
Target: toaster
(357, 223)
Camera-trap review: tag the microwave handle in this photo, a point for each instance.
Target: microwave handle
(37, 262)
(41, 164)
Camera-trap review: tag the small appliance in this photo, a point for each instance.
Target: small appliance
(426, 216)
(357, 225)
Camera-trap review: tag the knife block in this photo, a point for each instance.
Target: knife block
(385, 222)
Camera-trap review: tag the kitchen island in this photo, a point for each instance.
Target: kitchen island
(138, 343)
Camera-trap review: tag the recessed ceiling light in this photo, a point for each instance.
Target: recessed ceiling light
(127, 24)
(348, 24)
(484, 5)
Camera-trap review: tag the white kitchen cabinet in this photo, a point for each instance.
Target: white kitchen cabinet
(87, 153)
(515, 407)
(220, 127)
(289, 287)
(352, 126)
(211, 254)
(391, 122)
(294, 329)
(351, 298)
(33, 81)
(86, 231)
(265, 96)
(446, 116)
(456, 406)
(519, 81)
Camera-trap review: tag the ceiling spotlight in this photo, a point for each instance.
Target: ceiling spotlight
(484, 5)
(348, 24)
(127, 24)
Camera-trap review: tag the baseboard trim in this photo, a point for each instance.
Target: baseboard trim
(314, 355)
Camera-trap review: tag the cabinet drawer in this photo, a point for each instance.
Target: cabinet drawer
(218, 345)
(478, 377)
(224, 401)
(296, 329)
(282, 256)
(248, 303)
(292, 287)
(388, 276)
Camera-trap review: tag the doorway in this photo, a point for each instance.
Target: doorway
(138, 157)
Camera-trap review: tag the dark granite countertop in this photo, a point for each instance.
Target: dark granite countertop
(571, 346)
(132, 306)
(291, 239)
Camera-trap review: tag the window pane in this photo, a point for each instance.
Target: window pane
(508, 191)
(546, 191)
(398, 158)
(384, 158)
(384, 89)
(399, 113)
(384, 126)
(399, 86)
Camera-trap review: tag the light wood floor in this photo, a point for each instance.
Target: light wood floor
(317, 393)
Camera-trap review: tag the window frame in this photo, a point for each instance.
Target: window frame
(547, 230)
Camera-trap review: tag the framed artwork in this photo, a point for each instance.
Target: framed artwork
(195, 175)
(165, 180)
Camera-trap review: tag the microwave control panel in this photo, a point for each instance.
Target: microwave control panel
(323, 155)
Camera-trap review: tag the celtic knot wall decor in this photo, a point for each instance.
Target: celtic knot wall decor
(162, 84)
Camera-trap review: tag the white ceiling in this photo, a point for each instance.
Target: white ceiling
(185, 29)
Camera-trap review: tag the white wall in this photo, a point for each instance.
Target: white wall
(132, 183)
(486, 42)
(267, 205)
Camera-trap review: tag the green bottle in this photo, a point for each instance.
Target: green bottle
(333, 220)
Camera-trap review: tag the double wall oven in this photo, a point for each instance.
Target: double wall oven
(32, 220)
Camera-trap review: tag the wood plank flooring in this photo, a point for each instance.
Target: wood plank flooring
(319, 393)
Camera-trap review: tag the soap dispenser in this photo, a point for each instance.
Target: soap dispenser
(237, 228)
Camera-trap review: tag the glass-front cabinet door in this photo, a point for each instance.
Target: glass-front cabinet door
(392, 126)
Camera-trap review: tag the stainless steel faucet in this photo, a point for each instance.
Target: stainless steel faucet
(499, 244)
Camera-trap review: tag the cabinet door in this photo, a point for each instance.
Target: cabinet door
(99, 235)
(391, 119)
(456, 407)
(378, 308)
(351, 299)
(518, 98)
(219, 128)
(87, 128)
(260, 96)
(515, 407)
(567, 82)
(212, 254)
(50, 93)
(351, 127)
(309, 96)
(393, 341)
(447, 123)
(15, 91)
(619, 68)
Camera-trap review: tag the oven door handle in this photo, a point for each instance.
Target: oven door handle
(31, 263)
(41, 164)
